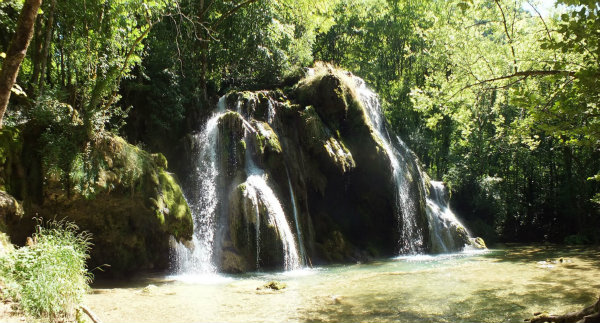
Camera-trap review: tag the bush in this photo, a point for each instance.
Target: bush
(48, 277)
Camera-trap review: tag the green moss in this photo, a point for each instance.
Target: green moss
(160, 160)
(11, 146)
(273, 285)
(266, 138)
(319, 140)
(174, 207)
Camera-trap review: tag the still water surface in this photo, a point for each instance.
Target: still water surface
(505, 285)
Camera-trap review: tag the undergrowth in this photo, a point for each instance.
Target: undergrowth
(48, 278)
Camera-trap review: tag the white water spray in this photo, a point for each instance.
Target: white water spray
(196, 258)
(258, 190)
(442, 222)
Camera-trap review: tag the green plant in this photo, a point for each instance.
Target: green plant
(48, 277)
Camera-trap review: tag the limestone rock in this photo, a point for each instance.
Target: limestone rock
(118, 192)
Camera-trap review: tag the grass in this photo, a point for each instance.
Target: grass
(48, 278)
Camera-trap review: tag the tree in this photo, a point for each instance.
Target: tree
(16, 51)
(521, 132)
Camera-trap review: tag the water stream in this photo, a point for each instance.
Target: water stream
(260, 192)
(196, 257)
(296, 219)
(442, 221)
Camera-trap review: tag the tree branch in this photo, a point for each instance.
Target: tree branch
(231, 12)
(510, 41)
(522, 74)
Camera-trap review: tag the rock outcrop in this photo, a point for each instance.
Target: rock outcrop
(308, 175)
(121, 194)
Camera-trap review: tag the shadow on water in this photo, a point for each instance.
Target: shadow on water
(534, 253)
(138, 281)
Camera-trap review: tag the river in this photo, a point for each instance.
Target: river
(502, 285)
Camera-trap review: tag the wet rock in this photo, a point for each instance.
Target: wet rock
(273, 285)
(149, 290)
(231, 146)
(232, 262)
(477, 243)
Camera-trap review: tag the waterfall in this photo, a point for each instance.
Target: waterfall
(444, 228)
(411, 236)
(259, 191)
(196, 257)
(295, 210)
(443, 223)
(232, 207)
(203, 199)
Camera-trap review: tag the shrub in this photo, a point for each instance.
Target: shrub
(48, 277)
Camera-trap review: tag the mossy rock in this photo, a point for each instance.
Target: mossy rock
(327, 92)
(124, 197)
(232, 262)
(335, 248)
(251, 104)
(273, 285)
(241, 238)
(267, 146)
(322, 142)
(232, 148)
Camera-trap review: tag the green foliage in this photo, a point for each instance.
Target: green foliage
(49, 277)
(480, 89)
(62, 136)
(9, 12)
(380, 41)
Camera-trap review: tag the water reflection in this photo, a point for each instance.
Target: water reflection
(498, 286)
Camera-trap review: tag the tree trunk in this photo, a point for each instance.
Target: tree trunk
(49, 31)
(590, 314)
(36, 55)
(16, 51)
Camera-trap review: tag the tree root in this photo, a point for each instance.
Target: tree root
(90, 314)
(590, 314)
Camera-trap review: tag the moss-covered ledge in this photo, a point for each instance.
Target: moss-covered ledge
(120, 193)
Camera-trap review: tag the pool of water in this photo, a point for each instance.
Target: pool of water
(504, 285)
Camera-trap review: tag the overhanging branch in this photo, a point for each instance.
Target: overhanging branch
(522, 74)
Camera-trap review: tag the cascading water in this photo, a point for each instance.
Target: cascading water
(202, 197)
(197, 256)
(442, 222)
(239, 221)
(259, 191)
(411, 236)
(297, 222)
